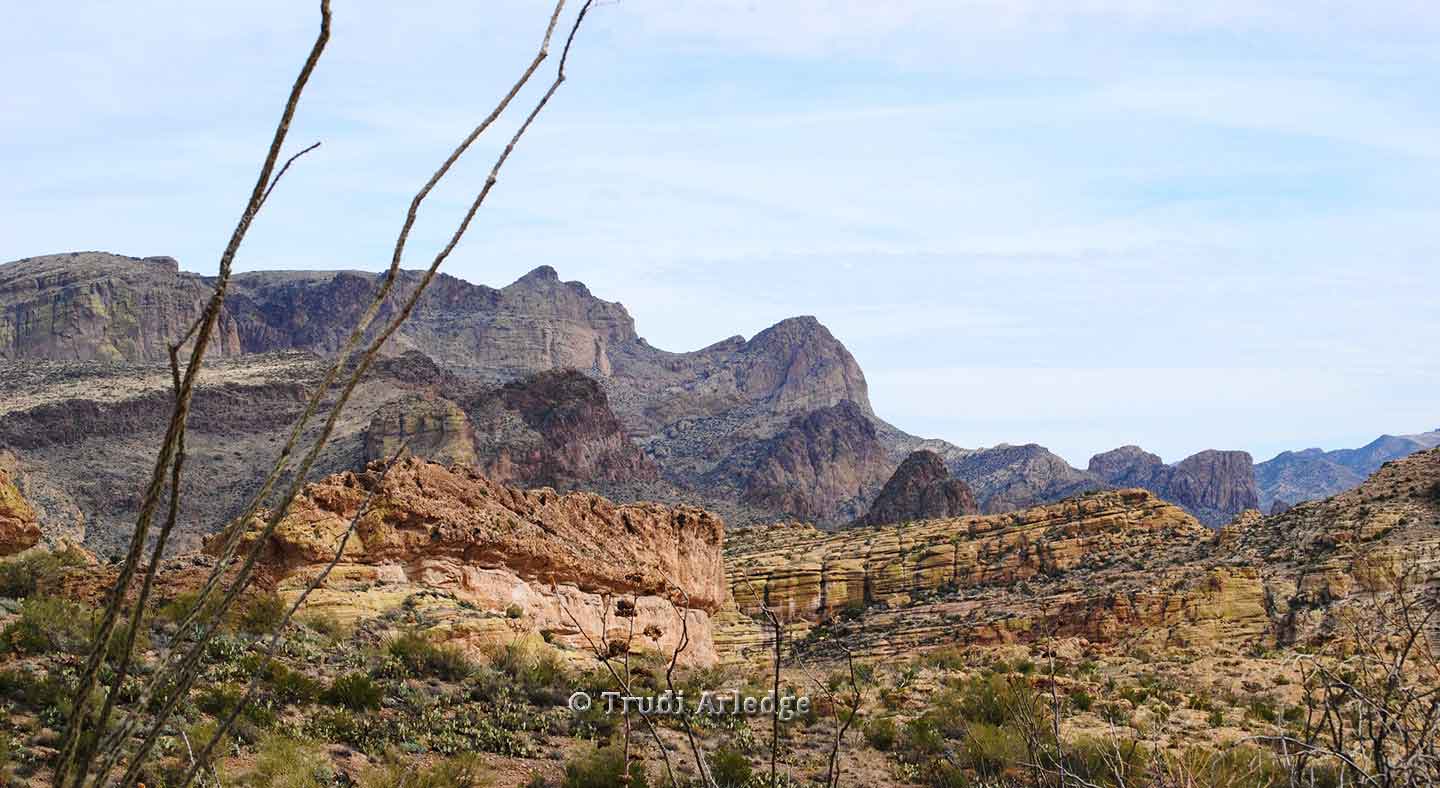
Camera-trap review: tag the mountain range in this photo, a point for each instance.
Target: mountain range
(537, 383)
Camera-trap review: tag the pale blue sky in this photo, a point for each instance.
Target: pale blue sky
(1076, 223)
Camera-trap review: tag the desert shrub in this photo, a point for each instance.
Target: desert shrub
(730, 768)
(880, 733)
(514, 611)
(603, 768)
(1106, 761)
(365, 732)
(32, 689)
(292, 686)
(181, 605)
(354, 691)
(48, 624)
(1215, 718)
(1115, 714)
(260, 615)
(466, 770)
(325, 623)
(1081, 700)
(536, 672)
(992, 749)
(941, 773)
(20, 576)
(1263, 709)
(1231, 767)
(923, 738)
(283, 762)
(423, 658)
(220, 700)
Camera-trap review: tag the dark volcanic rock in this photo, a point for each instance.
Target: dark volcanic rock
(921, 489)
(1005, 477)
(554, 428)
(822, 468)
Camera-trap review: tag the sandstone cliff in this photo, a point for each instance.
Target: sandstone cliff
(1348, 549)
(920, 489)
(19, 528)
(1112, 566)
(535, 557)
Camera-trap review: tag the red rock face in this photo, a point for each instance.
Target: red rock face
(921, 489)
(424, 512)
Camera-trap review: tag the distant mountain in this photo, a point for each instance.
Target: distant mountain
(1309, 475)
(775, 426)
(1213, 485)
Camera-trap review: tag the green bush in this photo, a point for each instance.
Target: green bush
(1081, 700)
(260, 615)
(992, 749)
(20, 576)
(537, 673)
(354, 691)
(730, 768)
(423, 658)
(31, 689)
(923, 738)
(49, 624)
(604, 768)
(881, 733)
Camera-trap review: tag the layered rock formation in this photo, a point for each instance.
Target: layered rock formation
(96, 306)
(1349, 549)
(895, 565)
(19, 528)
(920, 489)
(1213, 485)
(553, 563)
(1109, 567)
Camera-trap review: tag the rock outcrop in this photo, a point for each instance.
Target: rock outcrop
(554, 429)
(822, 468)
(19, 528)
(426, 426)
(534, 557)
(920, 489)
(1348, 549)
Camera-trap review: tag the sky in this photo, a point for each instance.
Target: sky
(1081, 223)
